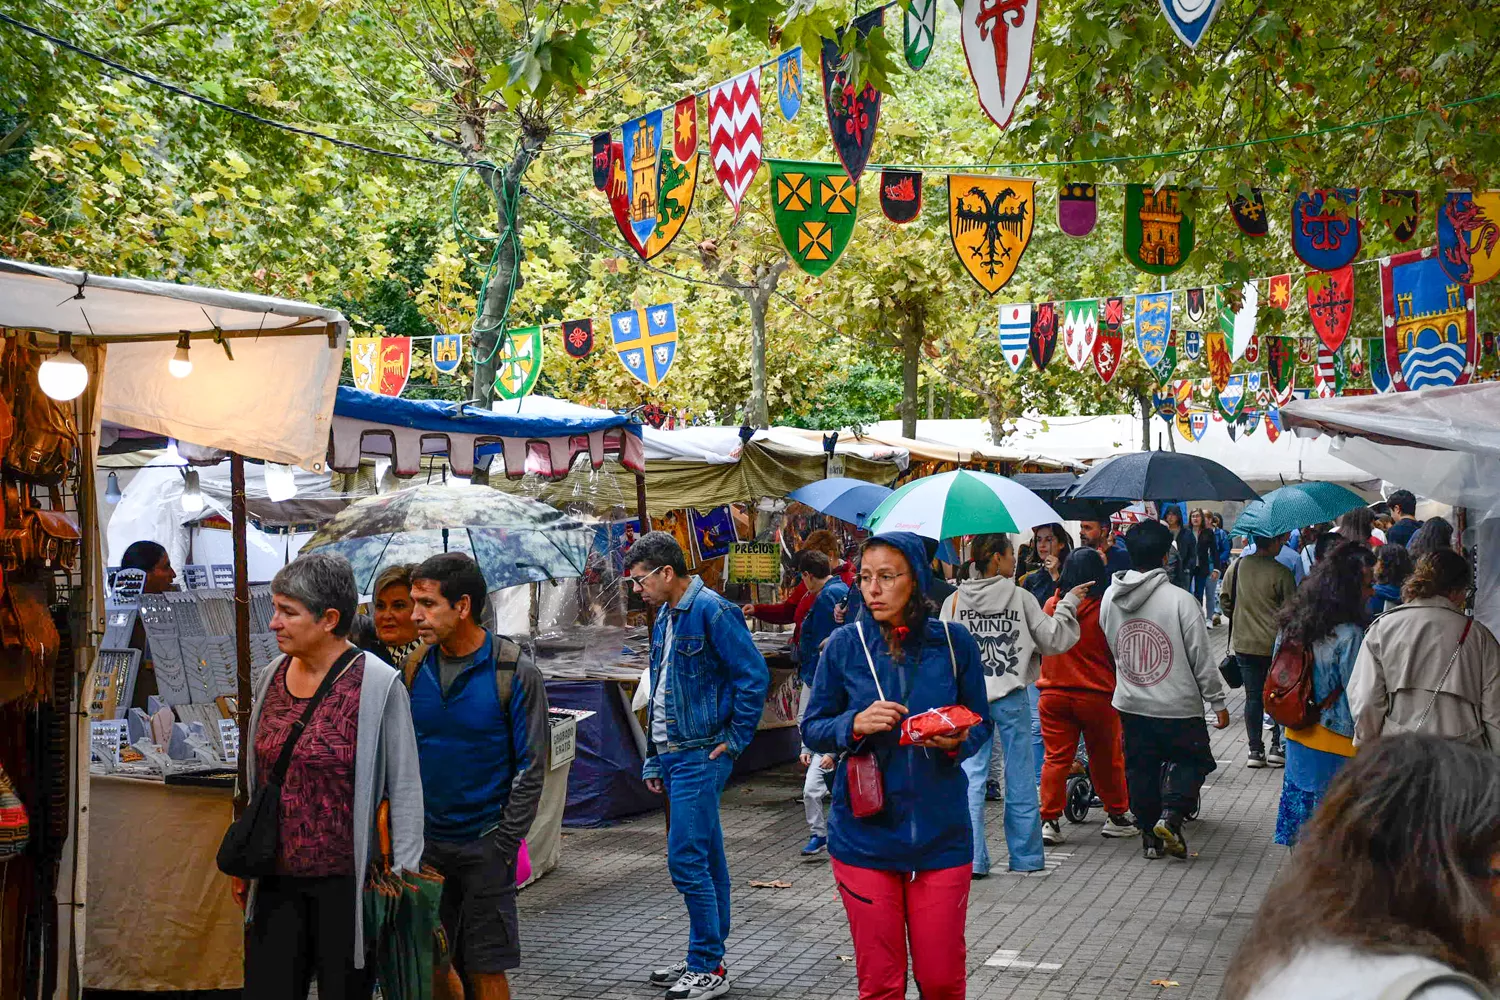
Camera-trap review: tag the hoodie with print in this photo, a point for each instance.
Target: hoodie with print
(1012, 630)
(1164, 666)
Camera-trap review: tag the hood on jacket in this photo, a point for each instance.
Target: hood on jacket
(1388, 592)
(914, 548)
(1131, 588)
(988, 595)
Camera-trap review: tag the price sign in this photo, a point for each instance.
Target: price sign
(754, 562)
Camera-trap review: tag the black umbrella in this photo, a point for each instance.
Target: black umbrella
(1159, 475)
(1051, 486)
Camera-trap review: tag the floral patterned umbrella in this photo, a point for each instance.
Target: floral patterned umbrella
(514, 540)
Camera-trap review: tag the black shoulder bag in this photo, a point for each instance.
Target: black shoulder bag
(1229, 667)
(251, 843)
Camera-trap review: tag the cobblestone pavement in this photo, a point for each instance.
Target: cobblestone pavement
(1101, 922)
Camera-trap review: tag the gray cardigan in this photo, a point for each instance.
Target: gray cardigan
(385, 766)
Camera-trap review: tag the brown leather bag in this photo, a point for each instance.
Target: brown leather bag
(30, 643)
(29, 534)
(45, 441)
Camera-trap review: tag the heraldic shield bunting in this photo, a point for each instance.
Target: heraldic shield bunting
(380, 364)
(677, 183)
(1158, 236)
(1325, 227)
(1468, 230)
(990, 221)
(447, 348)
(646, 341)
(815, 205)
(519, 363)
(1430, 338)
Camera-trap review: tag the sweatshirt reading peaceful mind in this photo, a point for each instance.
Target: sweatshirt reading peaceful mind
(1012, 630)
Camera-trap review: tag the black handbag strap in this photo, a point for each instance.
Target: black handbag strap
(1234, 589)
(278, 773)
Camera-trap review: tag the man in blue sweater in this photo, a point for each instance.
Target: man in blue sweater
(480, 711)
(708, 690)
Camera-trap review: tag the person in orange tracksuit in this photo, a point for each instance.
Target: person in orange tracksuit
(1076, 691)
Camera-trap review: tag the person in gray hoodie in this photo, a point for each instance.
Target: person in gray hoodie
(1165, 671)
(1013, 633)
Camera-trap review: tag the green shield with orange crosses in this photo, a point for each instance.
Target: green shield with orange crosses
(815, 205)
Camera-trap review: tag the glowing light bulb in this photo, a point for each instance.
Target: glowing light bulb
(112, 492)
(181, 365)
(62, 376)
(281, 482)
(192, 496)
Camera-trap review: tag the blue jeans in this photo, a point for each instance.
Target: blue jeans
(1038, 747)
(695, 850)
(1206, 590)
(1023, 810)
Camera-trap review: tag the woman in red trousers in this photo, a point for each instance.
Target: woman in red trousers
(903, 872)
(1076, 689)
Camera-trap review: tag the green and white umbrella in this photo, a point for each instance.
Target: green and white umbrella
(961, 503)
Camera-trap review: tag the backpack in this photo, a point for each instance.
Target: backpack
(506, 653)
(42, 446)
(1288, 692)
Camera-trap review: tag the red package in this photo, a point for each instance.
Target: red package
(919, 728)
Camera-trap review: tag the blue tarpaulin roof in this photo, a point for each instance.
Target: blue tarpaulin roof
(442, 416)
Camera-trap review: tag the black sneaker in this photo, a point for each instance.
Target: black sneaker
(993, 792)
(1255, 758)
(1169, 829)
(700, 985)
(668, 976)
(1276, 756)
(1151, 847)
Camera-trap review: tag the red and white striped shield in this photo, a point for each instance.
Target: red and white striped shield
(734, 133)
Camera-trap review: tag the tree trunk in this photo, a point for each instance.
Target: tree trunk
(505, 281)
(996, 415)
(758, 295)
(1144, 403)
(911, 355)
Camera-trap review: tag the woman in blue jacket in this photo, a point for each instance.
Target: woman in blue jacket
(903, 873)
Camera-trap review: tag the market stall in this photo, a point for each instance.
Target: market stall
(186, 363)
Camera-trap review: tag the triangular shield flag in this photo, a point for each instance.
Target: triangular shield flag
(917, 28)
(1153, 326)
(734, 133)
(1323, 376)
(1015, 333)
(1468, 236)
(446, 351)
(853, 114)
(641, 140)
(990, 221)
(1244, 319)
(789, 82)
(998, 36)
(1192, 344)
(1249, 213)
(645, 341)
(1197, 308)
(601, 160)
(1109, 346)
(1325, 227)
(519, 363)
(1279, 292)
(814, 205)
(1043, 333)
(901, 194)
(1168, 364)
(1216, 347)
(1077, 208)
(1330, 304)
(1273, 424)
(578, 337)
(1158, 235)
(1404, 227)
(1189, 19)
(1080, 329)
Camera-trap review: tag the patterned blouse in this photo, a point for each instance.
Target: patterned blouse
(317, 798)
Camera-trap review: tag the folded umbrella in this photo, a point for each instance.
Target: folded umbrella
(1159, 475)
(961, 503)
(847, 499)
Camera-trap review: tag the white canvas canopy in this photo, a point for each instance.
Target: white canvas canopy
(274, 401)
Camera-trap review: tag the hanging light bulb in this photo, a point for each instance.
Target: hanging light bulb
(192, 496)
(281, 482)
(63, 376)
(181, 366)
(173, 456)
(112, 492)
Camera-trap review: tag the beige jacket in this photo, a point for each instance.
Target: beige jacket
(1401, 664)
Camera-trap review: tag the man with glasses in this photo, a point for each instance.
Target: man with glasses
(708, 688)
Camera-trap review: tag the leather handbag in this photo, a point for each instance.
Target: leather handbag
(253, 841)
(1229, 667)
(862, 770)
(45, 441)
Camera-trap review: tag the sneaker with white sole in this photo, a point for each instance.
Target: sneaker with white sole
(1276, 756)
(1052, 834)
(1169, 831)
(700, 985)
(1255, 758)
(668, 976)
(1122, 825)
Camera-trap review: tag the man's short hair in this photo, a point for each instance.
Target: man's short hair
(654, 550)
(1404, 501)
(1148, 543)
(457, 576)
(814, 563)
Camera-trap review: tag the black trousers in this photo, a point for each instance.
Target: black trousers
(1254, 669)
(1166, 761)
(304, 928)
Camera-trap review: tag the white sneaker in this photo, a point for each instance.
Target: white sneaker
(700, 986)
(1052, 834)
(665, 978)
(1119, 826)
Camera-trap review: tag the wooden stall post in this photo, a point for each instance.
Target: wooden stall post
(241, 626)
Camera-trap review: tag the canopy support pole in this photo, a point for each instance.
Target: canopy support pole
(640, 501)
(241, 626)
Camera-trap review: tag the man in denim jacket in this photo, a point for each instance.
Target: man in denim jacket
(708, 689)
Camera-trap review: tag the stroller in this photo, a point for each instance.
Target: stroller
(1080, 797)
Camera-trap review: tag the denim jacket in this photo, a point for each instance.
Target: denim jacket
(717, 680)
(1333, 665)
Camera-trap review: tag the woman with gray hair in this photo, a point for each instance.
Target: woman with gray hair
(346, 715)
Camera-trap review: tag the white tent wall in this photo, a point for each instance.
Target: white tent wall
(274, 401)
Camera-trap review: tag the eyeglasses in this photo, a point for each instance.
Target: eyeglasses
(637, 581)
(867, 582)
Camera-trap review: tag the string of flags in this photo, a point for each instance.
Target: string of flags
(643, 339)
